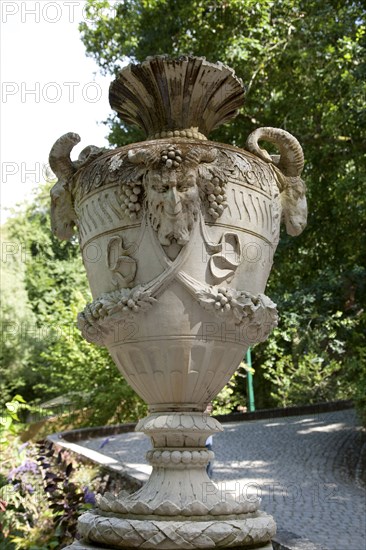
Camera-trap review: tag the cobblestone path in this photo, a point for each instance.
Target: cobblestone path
(306, 469)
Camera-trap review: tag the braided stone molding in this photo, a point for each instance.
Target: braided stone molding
(188, 535)
(80, 545)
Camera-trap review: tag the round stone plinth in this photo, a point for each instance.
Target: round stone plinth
(117, 532)
(80, 545)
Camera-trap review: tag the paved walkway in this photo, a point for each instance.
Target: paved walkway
(306, 469)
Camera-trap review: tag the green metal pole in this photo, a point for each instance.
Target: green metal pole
(250, 381)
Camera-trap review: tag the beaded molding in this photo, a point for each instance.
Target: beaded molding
(190, 133)
(175, 458)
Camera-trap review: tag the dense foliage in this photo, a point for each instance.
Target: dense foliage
(304, 67)
(43, 353)
(42, 489)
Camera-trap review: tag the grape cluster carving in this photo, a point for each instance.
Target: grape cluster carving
(171, 157)
(223, 300)
(216, 197)
(130, 198)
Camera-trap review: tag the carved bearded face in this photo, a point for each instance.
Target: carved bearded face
(173, 203)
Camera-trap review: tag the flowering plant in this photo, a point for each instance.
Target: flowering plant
(42, 490)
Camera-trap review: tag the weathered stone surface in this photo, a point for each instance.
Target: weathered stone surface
(80, 545)
(186, 97)
(171, 535)
(178, 235)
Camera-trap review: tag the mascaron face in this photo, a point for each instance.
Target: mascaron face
(173, 202)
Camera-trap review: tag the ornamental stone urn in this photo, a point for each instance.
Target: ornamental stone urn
(177, 235)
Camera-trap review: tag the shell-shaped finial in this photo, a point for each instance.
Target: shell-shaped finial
(184, 96)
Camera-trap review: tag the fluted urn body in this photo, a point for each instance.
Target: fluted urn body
(177, 235)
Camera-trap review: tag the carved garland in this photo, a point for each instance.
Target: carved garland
(237, 304)
(257, 313)
(240, 307)
(124, 302)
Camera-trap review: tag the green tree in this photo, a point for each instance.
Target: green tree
(304, 67)
(55, 360)
(16, 314)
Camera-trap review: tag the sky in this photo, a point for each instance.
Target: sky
(48, 87)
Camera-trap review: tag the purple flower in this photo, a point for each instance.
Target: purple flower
(29, 488)
(26, 466)
(89, 496)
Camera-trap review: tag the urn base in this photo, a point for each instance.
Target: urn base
(179, 507)
(80, 545)
(114, 532)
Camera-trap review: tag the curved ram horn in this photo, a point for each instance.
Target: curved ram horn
(89, 153)
(291, 158)
(142, 156)
(199, 154)
(59, 158)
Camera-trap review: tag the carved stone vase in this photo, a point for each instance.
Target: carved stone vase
(177, 235)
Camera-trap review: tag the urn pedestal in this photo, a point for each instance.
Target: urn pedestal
(177, 235)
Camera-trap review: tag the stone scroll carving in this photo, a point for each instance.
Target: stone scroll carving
(120, 262)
